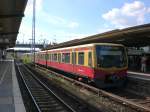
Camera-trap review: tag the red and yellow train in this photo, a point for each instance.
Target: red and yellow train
(105, 64)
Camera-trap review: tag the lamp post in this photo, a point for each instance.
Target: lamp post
(33, 29)
(30, 45)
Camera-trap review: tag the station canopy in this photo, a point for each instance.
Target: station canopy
(11, 13)
(137, 36)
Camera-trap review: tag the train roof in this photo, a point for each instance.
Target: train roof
(86, 45)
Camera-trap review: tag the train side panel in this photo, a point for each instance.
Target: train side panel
(85, 64)
(81, 70)
(42, 58)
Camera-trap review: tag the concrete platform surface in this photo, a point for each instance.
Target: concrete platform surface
(144, 76)
(10, 96)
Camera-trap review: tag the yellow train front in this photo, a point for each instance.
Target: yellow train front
(104, 64)
(111, 65)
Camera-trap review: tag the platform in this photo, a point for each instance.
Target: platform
(145, 76)
(10, 96)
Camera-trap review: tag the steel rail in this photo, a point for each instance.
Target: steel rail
(28, 90)
(51, 91)
(43, 85)
(114, 97)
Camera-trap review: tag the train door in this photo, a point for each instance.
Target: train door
(59, 60)
(46, 58)
(38, 57)
(73, 60)
(90, 59)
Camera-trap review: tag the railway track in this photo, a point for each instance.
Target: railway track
(126, 100)
(44, 99)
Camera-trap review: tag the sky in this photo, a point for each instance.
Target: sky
(64, 20)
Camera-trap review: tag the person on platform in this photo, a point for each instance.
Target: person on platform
(143, 63)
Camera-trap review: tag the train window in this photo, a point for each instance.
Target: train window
(67, 57)
(50, 57)
(90, 59)
(63, 57)
(42, 56)
(59, 57)
(55, 57)
(74, 58)
(46, 56)
(81, 58)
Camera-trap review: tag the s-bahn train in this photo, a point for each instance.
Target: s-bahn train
(105, 64)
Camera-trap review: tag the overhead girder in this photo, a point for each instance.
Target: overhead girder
(11, 16)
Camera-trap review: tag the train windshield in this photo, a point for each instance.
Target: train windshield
(111, 56)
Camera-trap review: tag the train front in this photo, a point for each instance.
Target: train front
(111, 65)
